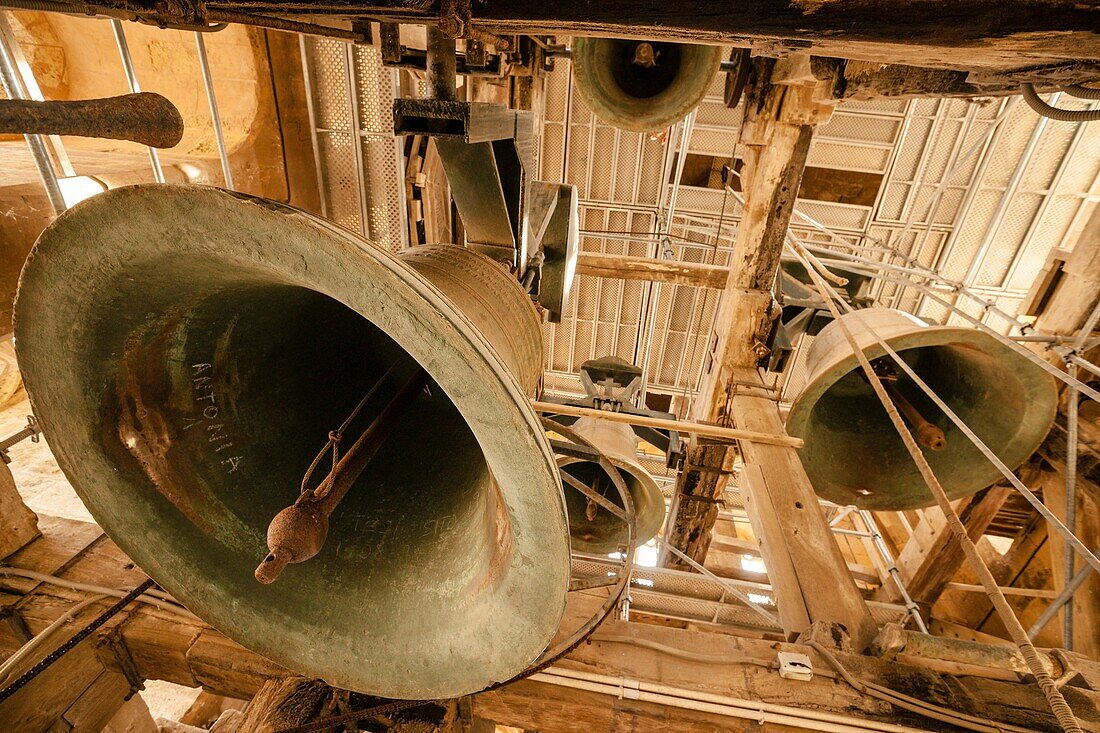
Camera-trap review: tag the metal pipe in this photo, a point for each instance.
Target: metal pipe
(13, 88)
(357, 140)
(1071, 503)
(215, 116)
(892, 569)
(1066, 594)
(135, 87)
(442, 65)
(311, 112)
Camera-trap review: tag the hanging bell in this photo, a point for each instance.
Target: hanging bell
(643, 86)
(853, 455)
(593, 528)
(189, 351)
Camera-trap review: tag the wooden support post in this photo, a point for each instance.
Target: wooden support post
(808, 573)
(18, 524)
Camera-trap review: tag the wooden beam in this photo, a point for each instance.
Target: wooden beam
(683, 426)
(946, 556)
(968, 34)
(634, 656)
(621, 267)
(808, 573)
(18, 524)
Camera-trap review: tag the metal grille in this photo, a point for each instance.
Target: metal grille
(361, 183)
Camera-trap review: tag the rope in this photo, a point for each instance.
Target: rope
(335, 436)
(1055, 700)
(78, 637)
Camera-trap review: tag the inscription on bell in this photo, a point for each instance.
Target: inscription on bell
(207, 414)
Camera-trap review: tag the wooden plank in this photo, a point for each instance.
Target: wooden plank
(793, 612)
(691, 428)
(818, 570)
(622, 267)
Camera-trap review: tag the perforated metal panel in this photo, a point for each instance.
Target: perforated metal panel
(362, 188)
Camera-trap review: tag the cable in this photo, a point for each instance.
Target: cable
(78, 637)
(156, 598)
(912, 704)
(1062, 712)
(41, 637)
(1080, 91)
(1056, 113)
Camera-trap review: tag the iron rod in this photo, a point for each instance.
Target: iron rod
(1067, 593)
(215, 115)
(135, 87)
(13, 88)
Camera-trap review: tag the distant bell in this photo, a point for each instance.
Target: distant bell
(853, 454)
(643, 86)
(189, 351)
(591, 527)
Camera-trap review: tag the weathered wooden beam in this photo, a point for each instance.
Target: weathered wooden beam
(621, 267)
(18, 524)
(808, 573)
(967, 34)
(633, 655)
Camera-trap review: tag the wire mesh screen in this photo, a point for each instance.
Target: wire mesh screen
(352, 95)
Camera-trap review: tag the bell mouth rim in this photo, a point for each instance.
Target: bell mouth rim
(587, 50)
(797, 423)
(535, 505)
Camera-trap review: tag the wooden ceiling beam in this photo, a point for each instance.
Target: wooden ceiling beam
(967, 34)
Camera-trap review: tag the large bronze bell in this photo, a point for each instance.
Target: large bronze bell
(591, 527)
(852, 453)
(643, 86)
(188, 352)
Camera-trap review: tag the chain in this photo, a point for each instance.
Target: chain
(78, 637)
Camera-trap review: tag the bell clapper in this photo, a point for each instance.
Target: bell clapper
(298, 532)
(645, 55)
(927, 434)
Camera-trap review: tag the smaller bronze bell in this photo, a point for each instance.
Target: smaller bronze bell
(592, 528)
(643, 86)
(853, 455)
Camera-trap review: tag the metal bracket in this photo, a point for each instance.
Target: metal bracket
(32, 431)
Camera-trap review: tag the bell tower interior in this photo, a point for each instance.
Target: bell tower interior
(503, 367)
